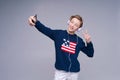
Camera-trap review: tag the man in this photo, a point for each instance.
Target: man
(67, 46)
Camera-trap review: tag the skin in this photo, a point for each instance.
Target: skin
(73, 26)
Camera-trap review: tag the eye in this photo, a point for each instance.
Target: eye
(76, 25)
(72, 22)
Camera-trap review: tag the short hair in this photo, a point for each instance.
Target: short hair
(78, 17)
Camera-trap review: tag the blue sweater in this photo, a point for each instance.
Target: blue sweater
(67, 48)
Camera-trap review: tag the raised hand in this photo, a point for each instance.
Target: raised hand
(87, 36)
(32, 20)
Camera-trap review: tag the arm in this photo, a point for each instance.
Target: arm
(40, 27)
(45, 30)
(88, 50)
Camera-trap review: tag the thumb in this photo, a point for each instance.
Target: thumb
(84, 32)
(34, 18)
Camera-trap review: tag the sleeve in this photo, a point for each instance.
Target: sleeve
(88, 49)
(45, 30)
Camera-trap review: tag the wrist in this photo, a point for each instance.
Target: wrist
(88, 41)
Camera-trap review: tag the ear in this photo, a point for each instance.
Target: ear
(79, 29)
(68, 22)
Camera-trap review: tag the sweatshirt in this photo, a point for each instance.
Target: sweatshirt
(67, 48)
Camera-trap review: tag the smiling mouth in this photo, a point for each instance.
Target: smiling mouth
(71, 27)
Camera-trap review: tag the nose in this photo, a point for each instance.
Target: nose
(72, 24)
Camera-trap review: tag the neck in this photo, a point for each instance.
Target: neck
(71, 33)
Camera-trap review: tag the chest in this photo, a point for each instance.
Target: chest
(67, 43)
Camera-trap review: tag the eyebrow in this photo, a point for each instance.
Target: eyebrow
(75, 23)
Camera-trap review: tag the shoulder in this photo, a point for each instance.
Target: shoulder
(79, 38)
(58, 32)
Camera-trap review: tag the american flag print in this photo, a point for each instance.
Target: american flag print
(68, 46)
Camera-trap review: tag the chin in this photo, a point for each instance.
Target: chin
(71, 31)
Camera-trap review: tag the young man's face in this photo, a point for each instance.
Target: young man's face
(74, 25)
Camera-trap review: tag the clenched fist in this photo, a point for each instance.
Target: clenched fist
(32, 20)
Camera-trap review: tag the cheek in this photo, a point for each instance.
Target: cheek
(76, 28)
(70, 24)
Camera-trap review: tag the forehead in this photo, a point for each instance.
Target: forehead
(76, 20)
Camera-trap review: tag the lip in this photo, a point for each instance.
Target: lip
(71, 28)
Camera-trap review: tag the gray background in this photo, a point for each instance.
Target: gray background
(26, 54)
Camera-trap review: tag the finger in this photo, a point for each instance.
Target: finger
(30, 21)
(86, 31)
(83, 32)
(34, 19)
